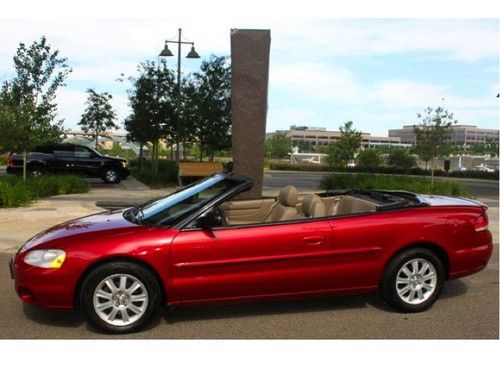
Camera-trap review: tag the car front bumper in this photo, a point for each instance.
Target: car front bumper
(48, 288)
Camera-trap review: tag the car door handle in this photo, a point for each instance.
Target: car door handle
(314, 239)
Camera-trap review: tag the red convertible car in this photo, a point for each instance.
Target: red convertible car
(200, 245)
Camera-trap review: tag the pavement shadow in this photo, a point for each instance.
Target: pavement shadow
(52, 317)
(451, 289)
(352, 302)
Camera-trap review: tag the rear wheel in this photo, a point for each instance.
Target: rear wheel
(413, 280)
(120, 297)
(36, 171)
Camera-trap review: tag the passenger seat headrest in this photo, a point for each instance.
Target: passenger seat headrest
(288, 196)
(313, 206)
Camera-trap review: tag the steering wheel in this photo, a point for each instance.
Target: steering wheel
(219, 211)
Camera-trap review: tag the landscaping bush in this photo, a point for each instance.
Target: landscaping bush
(47, 185)
(15, 192)
(167, 172)
(3, 159)
(407, 183)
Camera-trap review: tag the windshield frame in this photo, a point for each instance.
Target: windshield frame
(240, 183)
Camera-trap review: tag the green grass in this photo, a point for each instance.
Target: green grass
(3, 159)
(413, 184)
(166, 176)
(14, 192)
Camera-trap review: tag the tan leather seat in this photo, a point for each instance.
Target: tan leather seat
(313, 206)
(286, 206)
(352, 205)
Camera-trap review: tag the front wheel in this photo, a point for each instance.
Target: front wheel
(413, 280)
(110, 176)
(120, 297)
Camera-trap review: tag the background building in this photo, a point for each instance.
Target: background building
(460, 135)
(318, 137)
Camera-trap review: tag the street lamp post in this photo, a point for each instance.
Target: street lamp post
(191, 55)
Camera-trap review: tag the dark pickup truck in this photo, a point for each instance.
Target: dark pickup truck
(70, 158)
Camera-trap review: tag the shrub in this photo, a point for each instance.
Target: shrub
(167, 172)
(15, 192)
(401, 158)
(3, 159)
(47, 185)
(369, 158)
(375, 181)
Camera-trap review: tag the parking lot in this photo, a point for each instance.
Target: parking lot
(468, 308)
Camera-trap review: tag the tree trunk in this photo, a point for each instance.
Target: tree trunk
(171, 151)
(155, 157)
(96, 139)
(141, 148)
(432, 172)
(201, 153)
(212, 155)
(24, 165)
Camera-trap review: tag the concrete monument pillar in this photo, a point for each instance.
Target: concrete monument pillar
(249, 83)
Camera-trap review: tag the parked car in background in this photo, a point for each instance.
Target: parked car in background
(201, 246)
(70, 158)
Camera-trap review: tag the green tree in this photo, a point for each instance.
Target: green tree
(401, 158)
(153, 101)
(98, 116)
(369, 158)
(278, 146)
(27, 102)
(490, 147)
(431, 133)
(207, 106)
(341, 152)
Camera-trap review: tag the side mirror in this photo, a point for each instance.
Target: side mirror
(212, 219)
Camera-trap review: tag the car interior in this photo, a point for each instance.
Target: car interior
(289, 205)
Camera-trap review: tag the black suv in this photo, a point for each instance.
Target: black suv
(70, 158)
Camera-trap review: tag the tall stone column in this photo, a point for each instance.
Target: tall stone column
(249, 83)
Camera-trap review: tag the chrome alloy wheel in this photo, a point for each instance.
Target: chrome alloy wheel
(120, 299)
(416, 281)
(111, 176)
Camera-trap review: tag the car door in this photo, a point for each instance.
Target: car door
(64, 159)
(251, 262)
(86, 161)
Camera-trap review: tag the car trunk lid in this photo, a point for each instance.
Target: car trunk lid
(439, 200)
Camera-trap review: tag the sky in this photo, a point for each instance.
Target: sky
(378, 73)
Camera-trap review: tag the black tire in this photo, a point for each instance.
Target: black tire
(104, 271)
(110, 175)
(389, 289)
(36, 171)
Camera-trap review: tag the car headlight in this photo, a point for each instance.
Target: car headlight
(47, 258)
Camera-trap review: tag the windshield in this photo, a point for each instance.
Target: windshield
(165, 211)
(97, 152)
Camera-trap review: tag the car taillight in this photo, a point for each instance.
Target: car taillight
(481, 222)
(10, 160)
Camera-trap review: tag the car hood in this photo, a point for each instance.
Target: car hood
(105, 221)
(439, 200)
